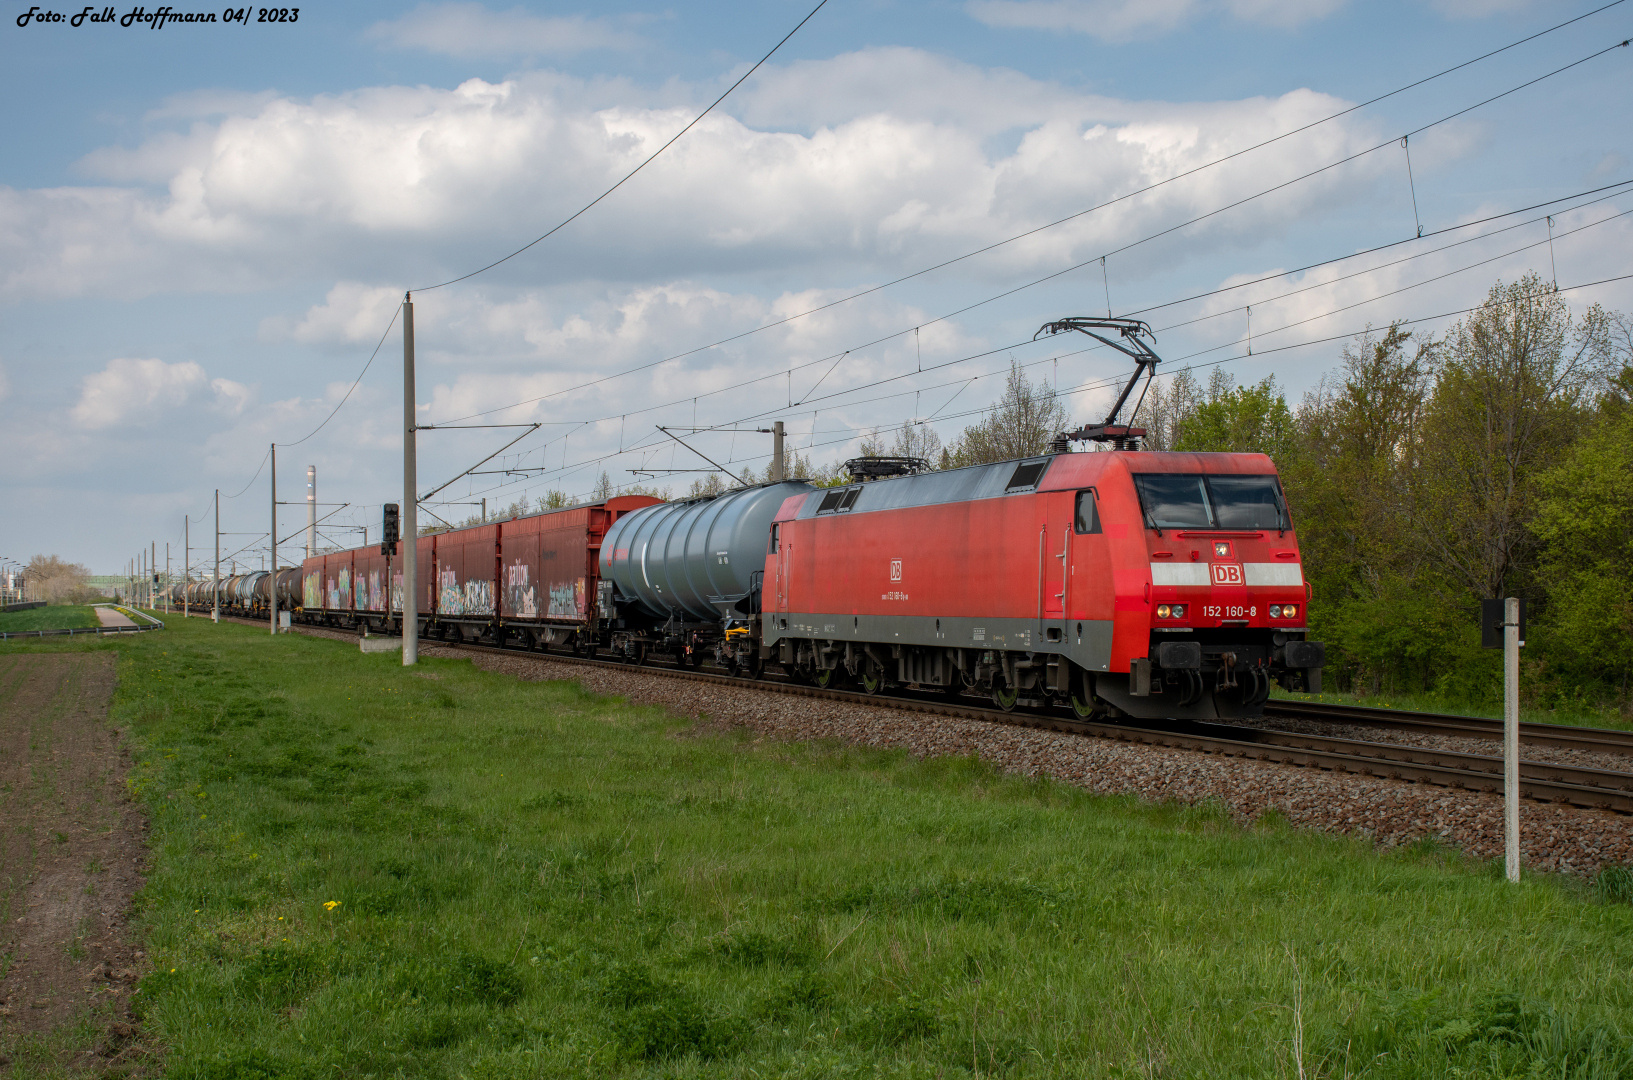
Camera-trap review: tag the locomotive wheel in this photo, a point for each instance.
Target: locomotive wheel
(1083, 706)
(1005, 697)
(1191, 687)
(827, 677)
(1261, 687)
(873, 680)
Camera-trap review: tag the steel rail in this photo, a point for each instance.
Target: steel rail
(1556, 735)
(1594, 789)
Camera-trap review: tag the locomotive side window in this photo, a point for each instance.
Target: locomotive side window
(1174, 501)
(1088, 517)
(776, 537)
(1026, 475)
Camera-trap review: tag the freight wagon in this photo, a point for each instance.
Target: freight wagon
(530, 579)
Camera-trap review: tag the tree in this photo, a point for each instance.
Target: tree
(1584, 524)
(1512, 386)
(1380, 612)
(912, 439)
(1240, 419)
(1169, 402)
(1022, 423)
(56, 580)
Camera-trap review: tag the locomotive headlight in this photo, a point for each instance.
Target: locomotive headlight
(1290, 610)
(1275, 611)
(1163, 611)
(1179, 611)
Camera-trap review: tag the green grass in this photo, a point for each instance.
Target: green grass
(361, 870)
(50, 617)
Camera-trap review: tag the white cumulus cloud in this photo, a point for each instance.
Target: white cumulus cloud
(141, 390)
(424, 183)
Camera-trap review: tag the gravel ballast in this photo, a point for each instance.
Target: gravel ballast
(1553, 837)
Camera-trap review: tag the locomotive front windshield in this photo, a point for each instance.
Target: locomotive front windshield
(1193, 501)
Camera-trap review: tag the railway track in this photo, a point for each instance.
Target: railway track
(1604, 740)
(1595, 789)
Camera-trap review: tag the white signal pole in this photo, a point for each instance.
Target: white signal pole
(186, 563)
(410, 515)
(215, 589)
(272, 541)
(1511, 736)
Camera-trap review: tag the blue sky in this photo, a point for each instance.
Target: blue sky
(205, 229)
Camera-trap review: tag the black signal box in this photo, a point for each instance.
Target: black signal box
(1491, 623)
(390, 528)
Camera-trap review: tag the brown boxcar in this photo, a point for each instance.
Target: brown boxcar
(534, 575)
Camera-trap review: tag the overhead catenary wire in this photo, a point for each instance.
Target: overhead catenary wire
(395, 311)
(1117, 378)
(577, 214)
(1613, 188)
(807, 398)
(1131, 245)
(1108, 203)
(1182, 175)
(1003, 348)
(629, 175)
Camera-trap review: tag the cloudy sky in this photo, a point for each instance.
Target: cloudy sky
(205, 230)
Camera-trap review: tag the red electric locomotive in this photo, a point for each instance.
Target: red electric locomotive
(1124, 583)
(1118, 583)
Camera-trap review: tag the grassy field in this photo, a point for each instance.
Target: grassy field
(366, 871)
(50, 617)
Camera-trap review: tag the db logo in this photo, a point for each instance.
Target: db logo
(895, 569)
(1227, 573)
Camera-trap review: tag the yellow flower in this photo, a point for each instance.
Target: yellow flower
(331, 904)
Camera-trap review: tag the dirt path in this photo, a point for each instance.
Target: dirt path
(107, 616)
(71, 858)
